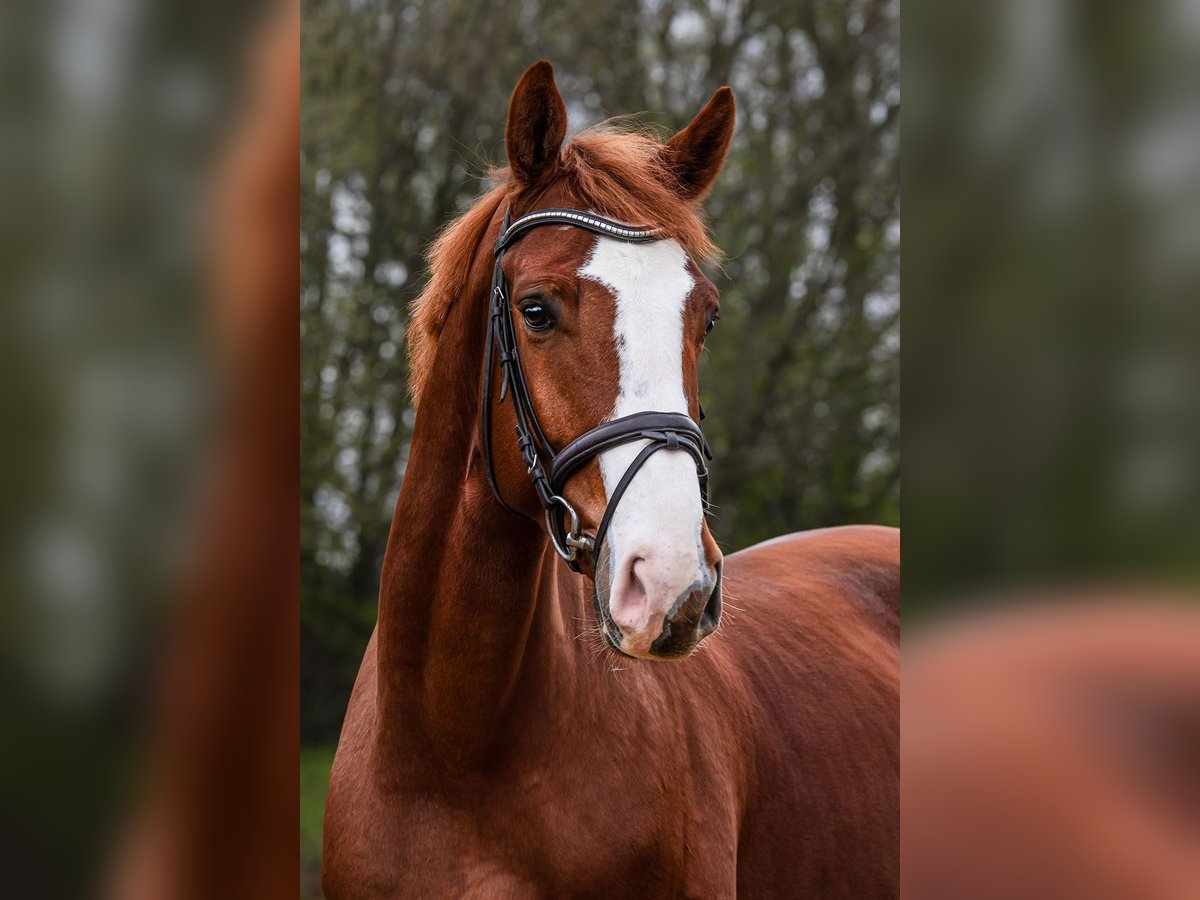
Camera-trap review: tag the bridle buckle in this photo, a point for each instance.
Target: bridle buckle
(582, 542)
(572, 541)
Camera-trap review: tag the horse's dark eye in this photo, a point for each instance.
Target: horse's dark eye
(537, 317)
(712, 321)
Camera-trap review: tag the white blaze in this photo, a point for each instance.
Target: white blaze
(660, 516)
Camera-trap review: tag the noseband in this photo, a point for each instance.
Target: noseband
(550, 469)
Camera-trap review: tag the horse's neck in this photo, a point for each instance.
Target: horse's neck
(469, 608)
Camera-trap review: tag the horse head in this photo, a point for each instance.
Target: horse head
(600, 314)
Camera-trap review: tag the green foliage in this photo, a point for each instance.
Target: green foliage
(403, 109)
(315, 763)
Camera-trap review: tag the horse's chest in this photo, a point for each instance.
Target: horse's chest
(542, 832)
(579, 830)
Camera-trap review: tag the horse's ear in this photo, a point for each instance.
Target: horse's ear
(697, 153)
(537, 124)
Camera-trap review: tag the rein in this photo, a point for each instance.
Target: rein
(549, 469)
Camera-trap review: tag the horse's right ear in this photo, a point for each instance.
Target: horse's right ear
(697, 153)
(537, 124)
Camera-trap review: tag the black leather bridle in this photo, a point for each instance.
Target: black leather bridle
(549, 469)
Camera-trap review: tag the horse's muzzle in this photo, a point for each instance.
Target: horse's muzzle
(694, 616)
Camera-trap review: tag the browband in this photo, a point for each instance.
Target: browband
(589, 221)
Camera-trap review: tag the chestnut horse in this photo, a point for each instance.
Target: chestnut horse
(498, 744)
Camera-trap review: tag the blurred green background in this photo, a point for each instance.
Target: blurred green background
(1051, 274)
(113, 121)
(404, 108)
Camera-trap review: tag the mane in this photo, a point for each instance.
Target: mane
(620, 174)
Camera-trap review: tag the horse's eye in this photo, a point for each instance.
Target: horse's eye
(712, 320)
(537, 317)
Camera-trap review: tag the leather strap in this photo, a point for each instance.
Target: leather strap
(590, 221)
(626, 479)
(638, 426)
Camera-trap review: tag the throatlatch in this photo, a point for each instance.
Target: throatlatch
(549, 469)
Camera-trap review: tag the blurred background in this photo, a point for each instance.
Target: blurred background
(140, 170)
(1051, 687)
(404, 108)
(1052, 274)
(1052, 269)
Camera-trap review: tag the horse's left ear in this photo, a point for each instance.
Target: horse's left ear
(537, 124)
(697, 153)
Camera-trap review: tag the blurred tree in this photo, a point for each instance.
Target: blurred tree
(403, 109)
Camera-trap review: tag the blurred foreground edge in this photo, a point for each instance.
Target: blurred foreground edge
(220, 805)
(1054, 752)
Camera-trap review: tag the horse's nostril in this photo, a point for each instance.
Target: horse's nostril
(629, 603)
(712, 609)
(638, 562)
(695, 616)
